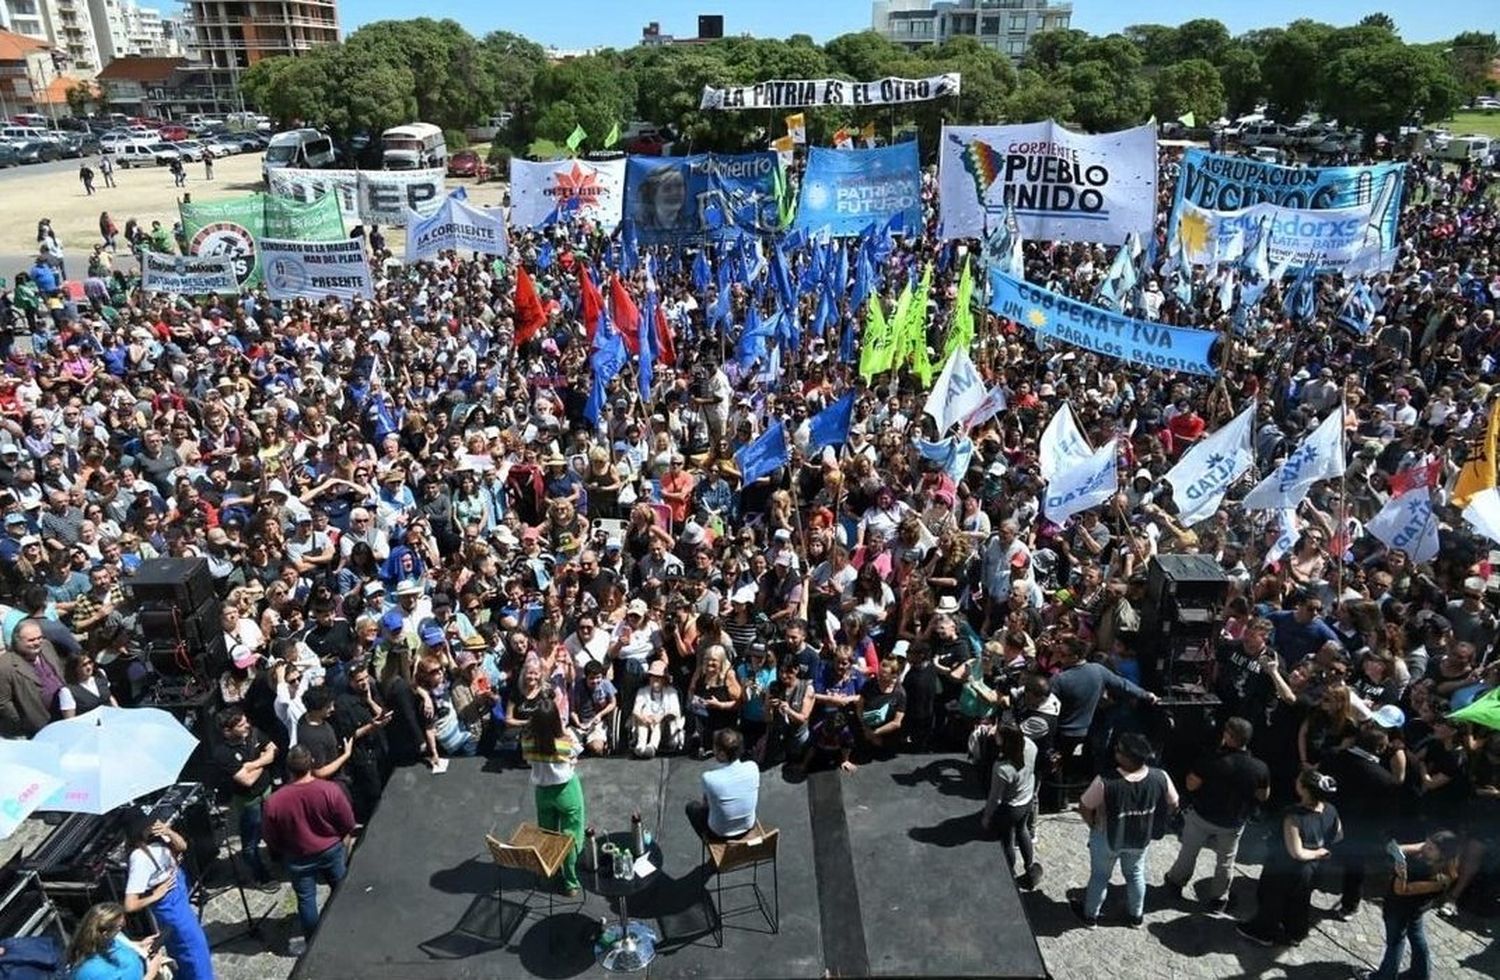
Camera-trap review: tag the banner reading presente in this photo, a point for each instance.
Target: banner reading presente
(381, 197)
(316, 270)
(1063, 186)
(1224, 183)
(188, 275)
(1345, 240)
(1141, 342)
(845, 191)
(232, 228)
(457, 225)
(707, 195)
(542, 193)
(796, 93)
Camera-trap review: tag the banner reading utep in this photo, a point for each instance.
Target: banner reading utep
(1140, 342)
(797, 93)
(316, 270)
(1225, 183)
(844, 191)
(457, 225)
(1063, 186)
(563, 190)
(188, 275)
(1345, 240)
(705, 196)
(381, 197)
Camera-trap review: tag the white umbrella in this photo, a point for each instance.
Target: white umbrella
(111, 756)
(28, 776)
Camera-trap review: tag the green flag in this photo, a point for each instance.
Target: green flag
(898, 330)
(234, 227)
(875, 347)
(576, 138)
(961, 334)
(613, 137)
(916, 330)
(785, 203)
(1188, 119)
(1483, 711)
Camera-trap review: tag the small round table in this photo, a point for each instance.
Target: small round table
(628, 946)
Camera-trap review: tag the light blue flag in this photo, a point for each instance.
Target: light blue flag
(607, 361)
(952, 454)
(764, 455)
(753, 336)
(700, 270)
(1256, 259)
(1226, 290)
(630, 245)
(781, 277)
(1358, 309)
(830, 427)
(1301, 299)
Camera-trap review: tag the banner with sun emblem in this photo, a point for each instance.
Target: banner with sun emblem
(1345, 240)
(543, 193)
(1063, 186)
(1141, 342)
(845, 191)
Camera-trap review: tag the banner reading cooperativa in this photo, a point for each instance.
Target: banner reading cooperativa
(1141, 342)
(1062, 185)
(797, 93)
(457, 225)
(188, 275)
(316, 270)
(845, 191)
(586, 190)
(1345, 240)
(381, 197)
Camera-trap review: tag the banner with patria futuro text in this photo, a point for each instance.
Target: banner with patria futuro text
(799, 92)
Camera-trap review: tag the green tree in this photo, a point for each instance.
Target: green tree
(1035, 99)
(450, 78)
(1385, 86)
(1050, 51)
(1104, 99)
(1473, 55)
(862, 56)
(1191, 86)
(1239, 71)
(594, 92)
(1290, 64)
(1203, 38)
(1156, 42)
(1382, 20)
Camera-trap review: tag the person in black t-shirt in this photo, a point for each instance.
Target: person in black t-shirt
(882, 708)
(1298, 843)
(1370, 794)
(332, 640)
(359, 715)
(1423, 872)
(315, 734)
(1242, 676)
(920, 684)
(1227, 785)
(243, 758)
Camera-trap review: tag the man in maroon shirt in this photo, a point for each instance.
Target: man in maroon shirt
(308, 822)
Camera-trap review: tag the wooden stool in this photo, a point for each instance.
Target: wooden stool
(756, 848)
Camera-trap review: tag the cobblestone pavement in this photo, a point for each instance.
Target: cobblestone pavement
(1178, 940)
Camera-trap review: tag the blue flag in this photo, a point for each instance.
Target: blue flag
(763, 455)
(631, 248)
(952, 454)
(607, 360)
(862, 276)
(1301, 301)
(781, 277)
(544, 255)
(752, 343)
(830, 427)
(700, 270)
(646, 337)
(1358, 311)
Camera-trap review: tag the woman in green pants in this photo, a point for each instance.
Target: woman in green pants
(559, 796)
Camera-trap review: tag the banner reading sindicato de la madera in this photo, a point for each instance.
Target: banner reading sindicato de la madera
(316, 270)
(794, 93)
(1140, 342)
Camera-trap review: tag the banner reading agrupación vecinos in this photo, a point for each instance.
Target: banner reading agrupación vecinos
(1063, 186)
(188, 275)
(382, 197)
(800, 92)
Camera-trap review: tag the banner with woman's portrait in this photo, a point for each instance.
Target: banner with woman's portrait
(704, 196)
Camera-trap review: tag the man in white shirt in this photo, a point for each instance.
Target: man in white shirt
(731, 792)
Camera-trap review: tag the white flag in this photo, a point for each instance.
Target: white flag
(1062, 445)
(1483, 513)
(1083, 484)
(993, 403)
(957, 391)
(1205, 472)
(1290, 526)
(1407, 523)
(1320, 457)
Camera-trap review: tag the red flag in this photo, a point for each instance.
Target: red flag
(626, 316)
(1415, 476)
(529, 313)
(666, 344)
(591, 302)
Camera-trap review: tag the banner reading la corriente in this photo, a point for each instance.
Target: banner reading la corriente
(457, 225)
(796, 93)
(1223, 183)
(541, 193)
(707, 195)
(844, 191)
(1063, 186)
(1141, 342)
(381, 197)
(1346, 240)
(316, 270)
(188, 275)
(232, 228)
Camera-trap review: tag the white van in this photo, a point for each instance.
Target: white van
(415, 146)
(1470, 146)
(27, 134)
(302, 149)
(143, 154)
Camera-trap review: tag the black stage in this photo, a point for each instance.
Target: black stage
(883, 872)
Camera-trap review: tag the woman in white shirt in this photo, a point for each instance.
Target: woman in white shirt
(155, 880)
(657, 715)
(553, 754)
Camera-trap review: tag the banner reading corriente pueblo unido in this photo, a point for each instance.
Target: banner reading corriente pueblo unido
(797, 93)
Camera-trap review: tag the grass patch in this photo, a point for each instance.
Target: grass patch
(546, 150)
(1482, 123)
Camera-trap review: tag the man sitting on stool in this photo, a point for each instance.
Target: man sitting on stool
(730, 792)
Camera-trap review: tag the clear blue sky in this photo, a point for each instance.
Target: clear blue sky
(587, 23)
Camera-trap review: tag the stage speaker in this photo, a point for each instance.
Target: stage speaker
(163, 621)
(184, 582)
(1186, 582)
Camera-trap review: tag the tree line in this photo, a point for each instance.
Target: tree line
(395, 71)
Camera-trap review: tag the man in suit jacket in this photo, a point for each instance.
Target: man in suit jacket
(30, 677)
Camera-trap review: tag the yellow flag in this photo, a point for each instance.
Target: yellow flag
(875, 346)
(1479, 472)
(867, 133)
(796, 127)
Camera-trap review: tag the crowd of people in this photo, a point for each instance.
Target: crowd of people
(421, 544)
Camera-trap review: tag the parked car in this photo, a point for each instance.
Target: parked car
(194, 149)
(174, 132)
(144, 154)
(1265, 134)
(251, 142)
(37, 151)
(467, 163)
(1487, 103)
(8, 156)
(225, 144)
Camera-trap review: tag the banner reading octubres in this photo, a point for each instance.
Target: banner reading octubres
(796, 93)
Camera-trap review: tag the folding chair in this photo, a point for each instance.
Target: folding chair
(534, 850)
